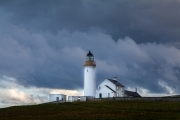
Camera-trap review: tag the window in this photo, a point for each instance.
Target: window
(108, 94)
(121, 88)
(99, 87)
(87, 58)
(117, 87)
(87, 70)
(117, 94)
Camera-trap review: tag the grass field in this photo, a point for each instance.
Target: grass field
(124, 110)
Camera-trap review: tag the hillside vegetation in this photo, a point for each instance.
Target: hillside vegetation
(126, 110)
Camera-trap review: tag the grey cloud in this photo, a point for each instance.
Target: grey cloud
(144, 21)
(54, 61)
(44, 43)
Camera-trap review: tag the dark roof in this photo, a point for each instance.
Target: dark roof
(116, 82)
(131, 93)
(110, 88)
(89, 54)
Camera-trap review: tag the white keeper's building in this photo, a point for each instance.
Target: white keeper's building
(110, 88)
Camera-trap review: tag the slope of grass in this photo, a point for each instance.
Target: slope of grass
(126, 110)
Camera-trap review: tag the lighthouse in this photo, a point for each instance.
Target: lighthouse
(89, 75)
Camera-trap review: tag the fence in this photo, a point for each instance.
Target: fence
(141, 98)
(175, 99)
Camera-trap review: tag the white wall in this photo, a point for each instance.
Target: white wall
(89, 81)
(104, 91)
(53, 97)
(76, 98)
(120, 93)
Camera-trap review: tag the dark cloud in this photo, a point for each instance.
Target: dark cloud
(44, 43)
(144, 21)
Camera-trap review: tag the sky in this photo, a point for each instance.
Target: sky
(43, 46)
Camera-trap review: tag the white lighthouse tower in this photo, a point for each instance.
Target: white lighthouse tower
(89, 75)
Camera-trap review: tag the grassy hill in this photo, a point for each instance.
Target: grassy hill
(126, 110)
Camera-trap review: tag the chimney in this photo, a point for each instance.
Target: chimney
(135, 89)
(115, 78)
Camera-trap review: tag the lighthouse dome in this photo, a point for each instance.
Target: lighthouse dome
(89, 56)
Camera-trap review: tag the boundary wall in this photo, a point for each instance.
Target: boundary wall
(141, 98)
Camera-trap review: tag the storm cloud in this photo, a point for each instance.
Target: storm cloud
(43, 44)
(152, 21)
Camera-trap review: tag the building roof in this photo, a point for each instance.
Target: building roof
(131, 93)
(89, 54)
(110, 89)
(116, 83)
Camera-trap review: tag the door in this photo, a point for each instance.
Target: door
(57, 98)
(108, 94)
(100, 95)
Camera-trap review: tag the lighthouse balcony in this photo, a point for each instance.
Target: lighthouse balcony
(90, 63)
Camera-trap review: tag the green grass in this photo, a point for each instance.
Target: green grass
(124, 110)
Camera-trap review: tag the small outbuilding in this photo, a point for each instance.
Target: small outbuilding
(80, 98)
(57, 97)
(76, 98)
